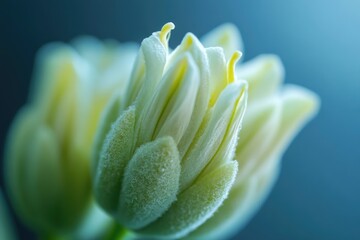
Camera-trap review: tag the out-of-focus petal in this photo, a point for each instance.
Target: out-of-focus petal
(226, 36)
(264, 75)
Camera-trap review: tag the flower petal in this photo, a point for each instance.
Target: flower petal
(226, 36)
(218, 122)
(264, 75)
(261, 124)
(227, 147)
(176, 115)
(148, 69)
(299, 106)
(218, 74)
(44, 178)
(16, 155)
(193, 46)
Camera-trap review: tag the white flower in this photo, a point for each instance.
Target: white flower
(167, 163)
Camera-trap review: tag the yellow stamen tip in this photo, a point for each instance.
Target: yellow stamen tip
(165, 32)
(231, 65)
(188, 40)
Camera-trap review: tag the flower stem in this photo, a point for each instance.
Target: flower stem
(117, 232)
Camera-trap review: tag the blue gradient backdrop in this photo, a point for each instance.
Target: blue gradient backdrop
(318, 193)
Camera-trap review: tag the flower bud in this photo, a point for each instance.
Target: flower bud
(49, 146)
(166, 162)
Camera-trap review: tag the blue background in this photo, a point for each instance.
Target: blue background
(318, 193)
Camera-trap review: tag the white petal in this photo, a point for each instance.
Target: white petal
(147, 71)
(218, 74)
(179, 109)
(192, 45)
(261, 124)
(299, 106)
(226, 36)
(217, 130)
(158, 114)
(264, 75)
(227, 147)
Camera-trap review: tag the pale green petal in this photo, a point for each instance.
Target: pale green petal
(227, 147)
(151, 182)
(92, 50)
(16, 156)
(226, 36)
(264, 75)
(178, 110)
(111, 64)
(114, 156)
(148, 69)
(179, 84)
(195, 205)
(58, 68)
(193, 46)
(260, 126)
(64, 118)
(220, 119)
(248, 194)
(136, 80)
(218, 74)
(299, 106)
(104, 55)
(6, 228)
(44, 178)
(117, 75)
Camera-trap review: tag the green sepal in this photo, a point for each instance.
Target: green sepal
(16, 154)
(150, 184)
(114, 156)
(195, 205)
(108, 118)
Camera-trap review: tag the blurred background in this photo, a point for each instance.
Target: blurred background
(317, 195)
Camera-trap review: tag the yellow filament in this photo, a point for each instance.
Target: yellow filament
(188, 41)
(231, 66)
(165, 32)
